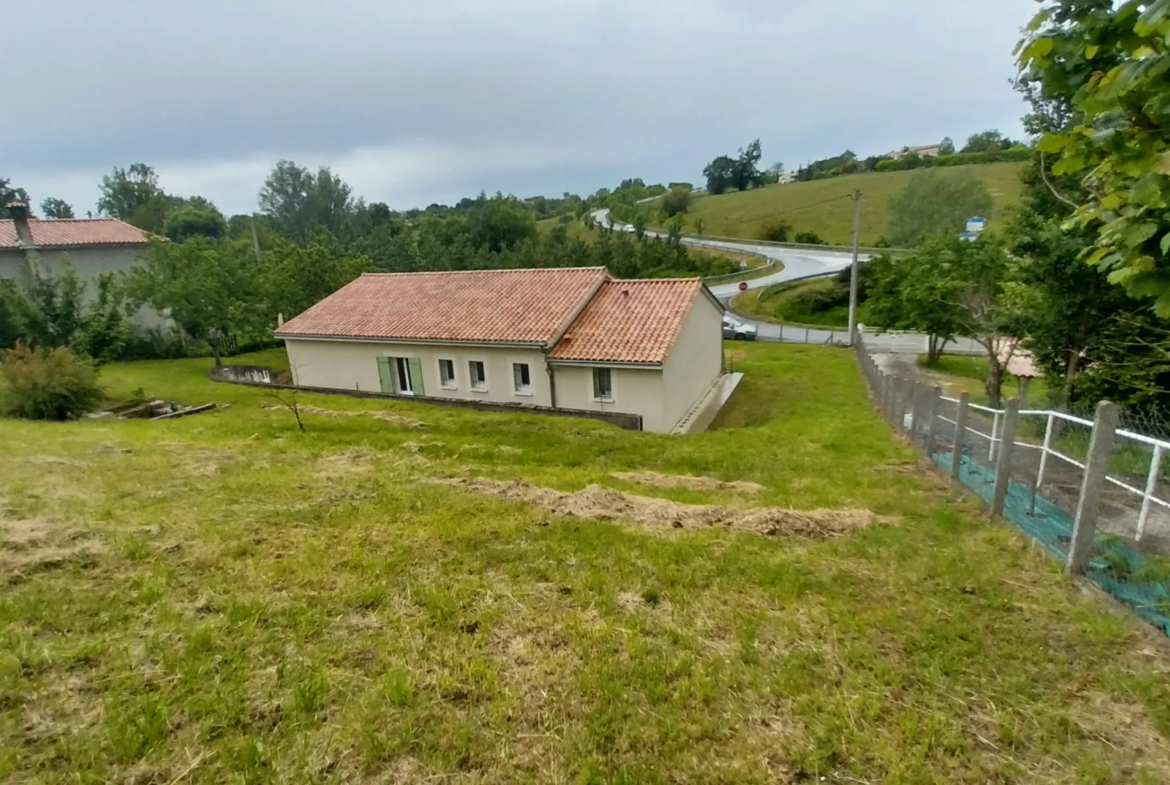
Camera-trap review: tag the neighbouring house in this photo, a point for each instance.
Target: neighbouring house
(923, 151)
(92, 246)
(570, 339)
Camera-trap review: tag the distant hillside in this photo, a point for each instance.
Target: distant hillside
(815, 206)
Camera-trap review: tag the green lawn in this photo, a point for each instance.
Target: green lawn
(961, 374)
(226, 599)
(778, 304)
(807, 206)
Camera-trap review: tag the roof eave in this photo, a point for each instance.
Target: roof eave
(537, 345)
(651, 365)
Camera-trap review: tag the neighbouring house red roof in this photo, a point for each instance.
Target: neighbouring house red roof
(630, 322)
(65, 233)
(481, 306)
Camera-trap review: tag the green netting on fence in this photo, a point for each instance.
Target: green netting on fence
(1142, 584)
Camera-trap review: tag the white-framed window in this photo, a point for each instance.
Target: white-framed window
(522, 378)
(402, 378)
(602, 384)
(447, 375)
(478, 375)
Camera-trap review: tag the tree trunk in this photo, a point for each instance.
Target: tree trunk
(994, 385)
(934, 350)
(215, 351)
(1070, 376)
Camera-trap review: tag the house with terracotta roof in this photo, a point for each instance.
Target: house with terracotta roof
(92, 247)
(574, 339)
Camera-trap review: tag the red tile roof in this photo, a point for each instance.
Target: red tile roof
(631, 322)
(69, 232)
(483, 306)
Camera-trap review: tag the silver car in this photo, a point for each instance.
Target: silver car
(735, 330)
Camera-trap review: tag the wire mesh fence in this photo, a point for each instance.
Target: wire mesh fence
(1094, 494)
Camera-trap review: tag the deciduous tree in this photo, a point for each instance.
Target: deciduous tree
(124, 191)
(56, 208)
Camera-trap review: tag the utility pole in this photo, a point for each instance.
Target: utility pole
(855, 277)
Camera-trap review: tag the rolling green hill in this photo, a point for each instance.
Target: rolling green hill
(824, 206)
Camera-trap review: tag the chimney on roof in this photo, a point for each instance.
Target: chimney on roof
(19, 213)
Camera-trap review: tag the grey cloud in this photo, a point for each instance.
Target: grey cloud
(600, 89)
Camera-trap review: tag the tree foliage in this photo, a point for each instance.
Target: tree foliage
(209, 289)
(9, 194)
(677, 202)
(56, 208)
(304, 202)
(933, 203)
(1113, 60)
(192, 220)
(720, 175)
(125, 191)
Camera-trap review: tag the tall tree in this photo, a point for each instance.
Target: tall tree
(124, 191)
(746, 172)
(986, 142)
(304, 202)
(1114, 58)
(935, 202)
(720, 175)
(56, 208)
(947, 146)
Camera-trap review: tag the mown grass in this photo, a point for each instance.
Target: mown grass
(960, 374)
(225, 599)
(826, 206)
(779, 304)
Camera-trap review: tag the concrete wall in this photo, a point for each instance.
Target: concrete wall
(696, 361)
(88, 262)
(635, 391)
(353, 365)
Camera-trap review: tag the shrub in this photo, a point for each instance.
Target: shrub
(777, 231)
(809, 238)
(46, 384)
(676, 202)
(821, 299)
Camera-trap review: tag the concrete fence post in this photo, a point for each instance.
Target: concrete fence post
(1096, 471)
(933, 402)
(907, 421)
(960, 434)
(1003, 464)
(917, 429)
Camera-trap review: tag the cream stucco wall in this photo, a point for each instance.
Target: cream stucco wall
(635, 391)
(353, 365)
(695, 362)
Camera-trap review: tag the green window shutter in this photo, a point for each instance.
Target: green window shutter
(385, 374)
(416, 380)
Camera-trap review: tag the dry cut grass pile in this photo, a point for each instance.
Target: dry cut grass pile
(609, 505)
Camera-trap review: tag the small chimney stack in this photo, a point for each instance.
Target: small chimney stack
(19, 213)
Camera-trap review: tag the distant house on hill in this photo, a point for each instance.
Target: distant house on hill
(924, 151)
(571, 339)
(92, 247)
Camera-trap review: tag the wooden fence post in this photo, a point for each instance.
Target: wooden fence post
(933, 402)
(1096, 471)
(960, 434)
(1003, 465)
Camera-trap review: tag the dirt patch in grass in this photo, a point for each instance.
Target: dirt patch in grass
(609, 505)
(390, 417)
(657, 480)
(30, 545)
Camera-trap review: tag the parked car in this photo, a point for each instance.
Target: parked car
(735, 330)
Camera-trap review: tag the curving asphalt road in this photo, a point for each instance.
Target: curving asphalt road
(798, 263)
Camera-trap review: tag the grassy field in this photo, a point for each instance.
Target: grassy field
(826, 207)
(777, 304)
(226, 599)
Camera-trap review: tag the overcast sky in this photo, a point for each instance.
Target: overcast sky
(433, 100)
